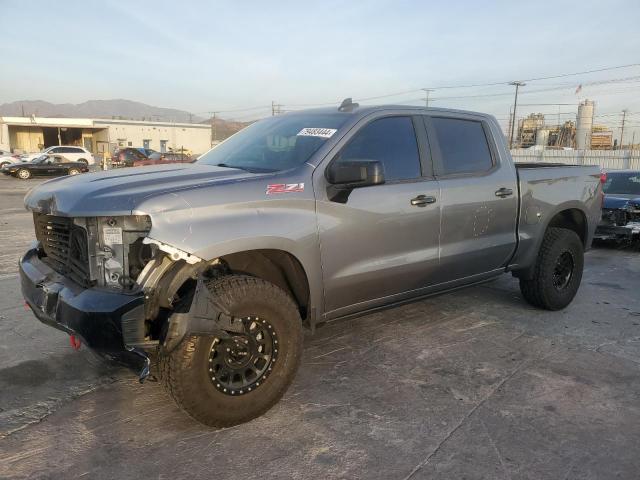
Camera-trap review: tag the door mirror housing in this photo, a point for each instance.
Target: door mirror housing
(348, 174)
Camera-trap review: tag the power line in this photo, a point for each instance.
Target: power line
(475, 85)
(491, 84)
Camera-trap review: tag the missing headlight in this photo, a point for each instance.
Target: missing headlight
(120, 255)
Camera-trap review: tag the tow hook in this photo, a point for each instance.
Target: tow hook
(146, 369)
(75, 342)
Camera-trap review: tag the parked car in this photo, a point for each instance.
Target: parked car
(298, 219)
(621, 206)
(45, 165)
(161, 158)
(70, 152)
(125, 157)
(146, 151)
(10, 159)
(182, 150)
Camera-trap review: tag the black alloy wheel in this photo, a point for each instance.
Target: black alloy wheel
(563, 270)
(237, 365)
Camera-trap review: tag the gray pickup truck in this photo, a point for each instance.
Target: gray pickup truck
(214, 268)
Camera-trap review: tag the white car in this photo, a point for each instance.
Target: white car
(70, 152)
(9, 158)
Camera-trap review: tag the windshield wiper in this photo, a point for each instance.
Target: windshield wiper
(229, 166)
(246, 169)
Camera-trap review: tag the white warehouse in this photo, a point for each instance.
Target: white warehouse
(98, 135)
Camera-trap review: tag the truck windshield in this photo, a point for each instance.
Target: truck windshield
(622, 183)
(275, 144)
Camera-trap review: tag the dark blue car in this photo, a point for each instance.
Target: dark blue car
(621, 207)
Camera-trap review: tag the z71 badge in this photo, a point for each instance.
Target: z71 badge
(284, 188)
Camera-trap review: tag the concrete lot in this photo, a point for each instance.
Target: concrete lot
(474, 384)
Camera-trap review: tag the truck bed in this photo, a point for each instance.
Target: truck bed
(548, 188)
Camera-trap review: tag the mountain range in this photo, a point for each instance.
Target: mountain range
(116, 108)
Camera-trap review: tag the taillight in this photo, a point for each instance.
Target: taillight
(603, 177)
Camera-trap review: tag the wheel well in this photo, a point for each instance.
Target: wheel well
(571, 219)
(278, 267)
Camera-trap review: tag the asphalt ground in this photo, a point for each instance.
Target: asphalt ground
(474, 384)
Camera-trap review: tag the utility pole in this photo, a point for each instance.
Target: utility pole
(276, 108)
(624, 116)
(508, 131)
(426, 99)
(515, 105)
(214, 136)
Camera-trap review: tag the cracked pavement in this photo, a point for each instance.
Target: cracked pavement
(474, 384)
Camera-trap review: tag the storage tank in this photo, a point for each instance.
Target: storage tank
(542, 137)
(584, 125)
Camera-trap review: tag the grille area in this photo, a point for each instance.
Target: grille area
(614, 217)
(65, 247)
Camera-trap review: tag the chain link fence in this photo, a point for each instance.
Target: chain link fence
(607, 159)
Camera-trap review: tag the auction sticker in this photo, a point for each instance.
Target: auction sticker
(112, 235)
(317, 132)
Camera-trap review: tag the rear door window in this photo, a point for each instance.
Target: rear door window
(463, 145)
(390, 140)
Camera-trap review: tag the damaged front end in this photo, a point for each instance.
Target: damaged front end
(620, 222)
(104, 280)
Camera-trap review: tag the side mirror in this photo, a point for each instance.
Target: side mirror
(348, 174)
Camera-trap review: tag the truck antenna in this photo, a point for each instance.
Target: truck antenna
(347, 105)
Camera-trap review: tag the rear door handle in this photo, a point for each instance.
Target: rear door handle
(504, 192)
(422, 201)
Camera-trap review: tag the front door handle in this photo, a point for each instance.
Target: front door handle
(422, 201)
(504, 192)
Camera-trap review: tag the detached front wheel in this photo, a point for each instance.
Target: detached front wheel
(226, 381)
(557, 272)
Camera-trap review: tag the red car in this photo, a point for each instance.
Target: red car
(162, 158)
(126, 157)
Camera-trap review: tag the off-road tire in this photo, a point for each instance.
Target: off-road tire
(23, 174)
(185, 374)
(540, 290)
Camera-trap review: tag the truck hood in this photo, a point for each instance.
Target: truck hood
(615, 200)
(118, 192)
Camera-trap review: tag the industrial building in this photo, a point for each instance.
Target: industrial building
(101, 136)
(582, 134)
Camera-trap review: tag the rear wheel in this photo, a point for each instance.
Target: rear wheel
(4, 164)
(24, 174)
(83, 160)
(226, 381)
(557, 272)
(74, 171)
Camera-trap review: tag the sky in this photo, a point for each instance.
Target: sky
(238, 57)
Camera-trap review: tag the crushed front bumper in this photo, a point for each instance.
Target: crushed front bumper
(100, 318)
(628, 232)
